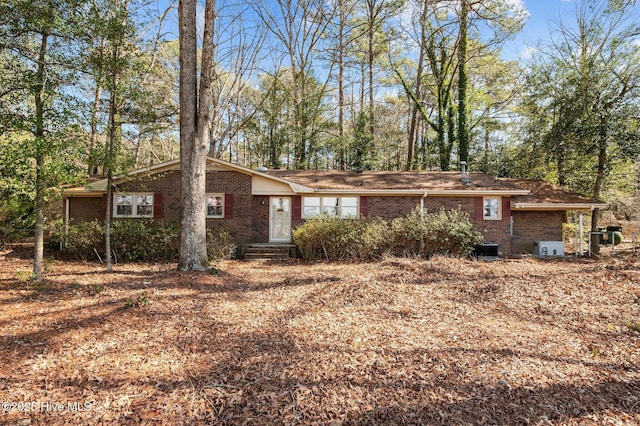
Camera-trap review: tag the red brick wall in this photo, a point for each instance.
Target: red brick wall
(388, 208)
(495, 231)
(250, 219)
(167, 183)
(260, 225)
(83, 209)
(530, 226)
(239, 224)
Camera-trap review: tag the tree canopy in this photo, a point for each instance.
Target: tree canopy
(93, 85)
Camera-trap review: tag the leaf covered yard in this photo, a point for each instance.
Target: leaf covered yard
(401, 341)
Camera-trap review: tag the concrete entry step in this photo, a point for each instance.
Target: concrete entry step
(265, 251)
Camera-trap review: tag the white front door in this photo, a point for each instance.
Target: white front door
(280, 220)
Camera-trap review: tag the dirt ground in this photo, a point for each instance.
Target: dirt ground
(400, 341)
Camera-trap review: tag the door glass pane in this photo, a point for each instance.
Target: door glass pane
(280, 220)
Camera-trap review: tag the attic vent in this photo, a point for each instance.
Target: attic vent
(263, 169)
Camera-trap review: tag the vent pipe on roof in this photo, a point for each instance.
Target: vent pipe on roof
(465, 176)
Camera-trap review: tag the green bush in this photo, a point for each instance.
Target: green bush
(144, 240)
(422, 234)
(449, 232)
(81, 239)
(220, 246)
(133, 240)
(334, 238)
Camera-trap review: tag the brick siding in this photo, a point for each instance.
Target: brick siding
(260, 225)
(494, 231)
(240, 225)
(250, 219)
(530, 226)
(85, 209)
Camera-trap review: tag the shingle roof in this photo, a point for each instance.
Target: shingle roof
(377, 180)
(548, 193)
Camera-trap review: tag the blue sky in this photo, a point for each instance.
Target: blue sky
(544, 16)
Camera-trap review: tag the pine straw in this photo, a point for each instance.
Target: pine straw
(402, 341)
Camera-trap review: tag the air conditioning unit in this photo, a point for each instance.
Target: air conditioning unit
(548, 248)
(487, 251)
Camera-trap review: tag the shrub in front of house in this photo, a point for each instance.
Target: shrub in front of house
(134, 240)
(335, 238)
(448, 232)
(220, 246)
(419, 234)
(79, 240)
(139, 240)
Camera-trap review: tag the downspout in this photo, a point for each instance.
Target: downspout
(424, 195)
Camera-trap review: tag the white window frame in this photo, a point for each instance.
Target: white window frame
(324, 206)
(134, 204)
(206, 205)
(498, 208)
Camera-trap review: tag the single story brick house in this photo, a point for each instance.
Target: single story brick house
(262, 206)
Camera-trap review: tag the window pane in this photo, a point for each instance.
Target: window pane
(329, 202)
(123, 210)
(330, 206)
(124, 205)
(311, 211)
(144, 205)
(311, 201)
(330, 211)
(491, 208)
(310, 206)
(124, 200)
(349, 211)
(214, 205)
(349, 202)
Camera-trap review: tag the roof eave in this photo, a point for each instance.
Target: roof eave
(477, 192)
(559, 206)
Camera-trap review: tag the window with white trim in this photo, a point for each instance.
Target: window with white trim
(133, 205)
(215, 205)
(491, 208)
(343, 207)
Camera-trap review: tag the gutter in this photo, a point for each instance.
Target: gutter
(421, 192)
(559, 206)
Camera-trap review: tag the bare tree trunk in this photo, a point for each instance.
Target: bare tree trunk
(463, 80)
(371, 57)
(342, 161)
(92, 167)
(38, 255)
(597, 187)
(193, 247)
(413, 126)
(109, 163)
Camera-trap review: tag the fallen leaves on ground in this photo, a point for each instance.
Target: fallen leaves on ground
(400, 341)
